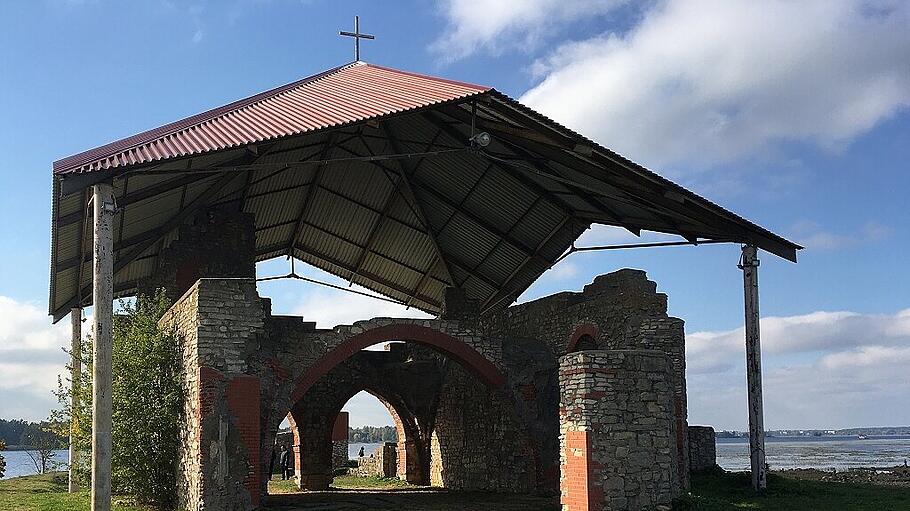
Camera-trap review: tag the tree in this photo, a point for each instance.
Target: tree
(147, 404)
(43, 442)
(76, 424)
(2, 461)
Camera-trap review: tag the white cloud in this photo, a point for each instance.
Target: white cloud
(497, 26)
(30, 359)
(813, 236)
(329, 308)
(834, 369)
(709, 81)
(365, 410)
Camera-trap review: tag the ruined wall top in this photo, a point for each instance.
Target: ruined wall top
(613, 309)
(215, 243)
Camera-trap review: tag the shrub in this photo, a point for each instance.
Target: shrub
(147, 405)
(2, 461)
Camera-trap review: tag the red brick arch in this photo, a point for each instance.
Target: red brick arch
(470, 358)
(580, 331)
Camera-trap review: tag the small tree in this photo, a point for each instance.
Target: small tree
(2, 461)
(76, 423)
(43, 442)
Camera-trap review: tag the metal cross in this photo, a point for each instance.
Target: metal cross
(357, 37)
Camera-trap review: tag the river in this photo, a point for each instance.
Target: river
(825, 452)
(19, 464)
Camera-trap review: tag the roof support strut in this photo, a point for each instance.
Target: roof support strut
(102, 353)
(749, 265)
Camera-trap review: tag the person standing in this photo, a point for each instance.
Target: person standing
(289, 471)
(361, 451)
(283, 463)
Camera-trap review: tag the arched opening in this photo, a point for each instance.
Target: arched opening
(585, 342)
(407, 378)
(583, 338)
(440, 341)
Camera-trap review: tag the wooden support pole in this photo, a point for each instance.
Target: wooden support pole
(102, 333)
(75, 387)
(749, 266)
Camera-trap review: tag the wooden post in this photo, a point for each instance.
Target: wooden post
(75, 380)
(103, 302)
(749, 266)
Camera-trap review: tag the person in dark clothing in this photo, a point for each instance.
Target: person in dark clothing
(290, 468)
(283, 463)
(361, 451)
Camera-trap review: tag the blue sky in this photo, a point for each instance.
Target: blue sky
(792, 114)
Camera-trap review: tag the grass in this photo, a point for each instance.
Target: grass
(47, 492)
(717, 491)
(713, 491)
(347, 482)
(355, 482)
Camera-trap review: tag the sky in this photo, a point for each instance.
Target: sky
(794, 114)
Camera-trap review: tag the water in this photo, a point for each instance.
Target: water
(19, 464)
(354, 450)
(827, 452)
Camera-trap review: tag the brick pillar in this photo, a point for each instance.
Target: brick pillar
(617, 430)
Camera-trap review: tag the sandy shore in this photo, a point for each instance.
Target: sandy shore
(892, 476)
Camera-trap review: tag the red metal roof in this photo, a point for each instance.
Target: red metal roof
(346, 94)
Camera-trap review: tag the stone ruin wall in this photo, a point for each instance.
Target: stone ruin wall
(620, 310)
(477, 441)
(220, 322)
(237, 350)
(383, 462)
(617, 430)
(702, 448)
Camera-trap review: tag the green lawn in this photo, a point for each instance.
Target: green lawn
(347, 482)
(48, 493)
(710, 492)
(733, 491)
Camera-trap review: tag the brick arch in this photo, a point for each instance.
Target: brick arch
(470, 358)
(318, 476)
(587, 329)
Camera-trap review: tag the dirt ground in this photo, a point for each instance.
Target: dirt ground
(408, 500)
(893, 476)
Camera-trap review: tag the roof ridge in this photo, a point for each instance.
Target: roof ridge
(429, 77)
(178, 126)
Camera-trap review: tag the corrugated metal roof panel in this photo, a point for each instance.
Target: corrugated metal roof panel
(343, 95)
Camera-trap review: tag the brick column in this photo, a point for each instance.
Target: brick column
(617, 430)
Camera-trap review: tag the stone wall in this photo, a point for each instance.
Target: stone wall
(220, 322)
(617, 430)
(340, 441)
(381, 463)
(480, 397)
(479, 444)
(215, 243)
(702, 448)
(620, 310)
